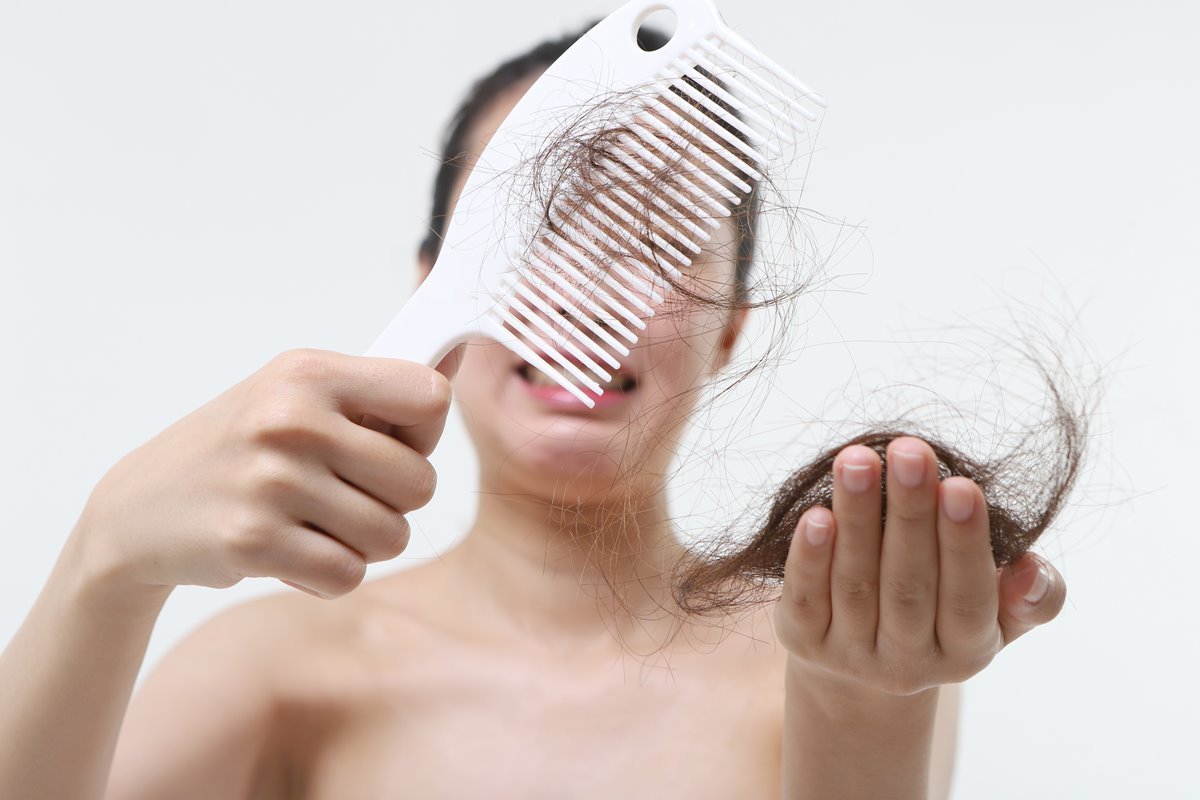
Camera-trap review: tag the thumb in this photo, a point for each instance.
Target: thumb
(449, 365)
(1032, 592)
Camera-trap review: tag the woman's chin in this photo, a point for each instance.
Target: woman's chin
(553, 444)
(570, 458)
(569, 445)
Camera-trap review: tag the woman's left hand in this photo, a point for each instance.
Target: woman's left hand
(918, 606)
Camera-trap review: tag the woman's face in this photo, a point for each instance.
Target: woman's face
(534, 440)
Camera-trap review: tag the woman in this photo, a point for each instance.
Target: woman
(544, 654)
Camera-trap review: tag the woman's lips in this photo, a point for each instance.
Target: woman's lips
(557, 396)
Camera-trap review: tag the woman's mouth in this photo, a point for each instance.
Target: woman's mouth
(543, 387)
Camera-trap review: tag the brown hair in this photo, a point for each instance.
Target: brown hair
(456, 145)
(1022, 500)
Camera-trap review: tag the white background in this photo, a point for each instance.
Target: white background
(188, 189)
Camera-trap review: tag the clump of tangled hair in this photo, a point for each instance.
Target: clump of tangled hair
(1025, 488)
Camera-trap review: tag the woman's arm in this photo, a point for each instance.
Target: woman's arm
(889, 743)
(66, 678)
(234, 489)
(198, 725)
(945, 741)
(845, 744)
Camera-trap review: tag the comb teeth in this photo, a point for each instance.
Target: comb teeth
(691, 150)
(659, 147)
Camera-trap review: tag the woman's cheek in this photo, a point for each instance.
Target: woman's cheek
(689, 346)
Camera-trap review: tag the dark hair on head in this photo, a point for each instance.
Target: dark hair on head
(483, 92)
(534, 61)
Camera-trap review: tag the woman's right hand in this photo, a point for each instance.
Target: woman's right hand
(303, 471)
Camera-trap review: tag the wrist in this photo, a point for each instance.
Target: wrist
(839, 697)
(103, 581)
(843, 738)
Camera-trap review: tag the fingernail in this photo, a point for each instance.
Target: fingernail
(909, 467)
(815, 531)
(856, 477)
(957, 502)
(305, 589)
(1041, 583)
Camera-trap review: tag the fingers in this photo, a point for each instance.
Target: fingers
(1032, 592)
(382, 467)
(317, 563)
(376, 424)
(967, 598)
(914, 598)
(371, 529)
(909, 561)
(449, 365)
(309, 559)
(854, 584)
(806, 582)
(411, 397)
(312, 495)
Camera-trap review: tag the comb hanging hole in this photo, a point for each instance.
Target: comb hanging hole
(657, 19)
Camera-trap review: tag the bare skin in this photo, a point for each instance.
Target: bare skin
(509, 668)
(384, 694)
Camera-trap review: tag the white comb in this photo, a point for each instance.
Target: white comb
(693, 125)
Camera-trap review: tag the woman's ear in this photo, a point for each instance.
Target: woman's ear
(729, 337)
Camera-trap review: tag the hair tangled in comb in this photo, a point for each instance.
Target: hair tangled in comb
(1025, 488)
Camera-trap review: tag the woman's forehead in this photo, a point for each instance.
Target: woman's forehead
(483, 127)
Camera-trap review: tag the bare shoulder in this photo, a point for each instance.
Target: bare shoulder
(201, 723)
(196, 724)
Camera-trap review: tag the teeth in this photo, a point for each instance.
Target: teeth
(620, 382)
(538, 378)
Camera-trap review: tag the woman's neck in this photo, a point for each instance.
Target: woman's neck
(571, 574)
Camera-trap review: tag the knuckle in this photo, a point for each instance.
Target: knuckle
(248, 541)
(423, 483)
(283, 422)
(272, 476)
(953, 554)
(911, 515)
(345, 574)
(806, 603)
(397, 536)
(908, 592)
(302, 365)
(390, 536)
(968, 605)
(287, 423)
(856, 590)
(440, 395)
(963, 548)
